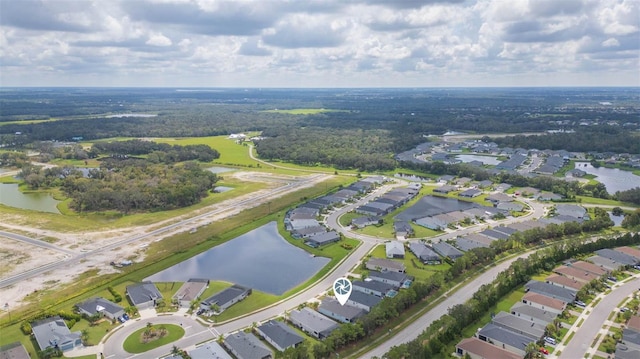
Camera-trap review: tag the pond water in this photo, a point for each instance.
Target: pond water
(613, 178)
(487, 160)
(220, 189)
(220, 169)
(617, 220)
(11, 196)
(260, 259)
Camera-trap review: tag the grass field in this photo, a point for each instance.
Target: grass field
(304, 111)
(133, 343)
(414, 267)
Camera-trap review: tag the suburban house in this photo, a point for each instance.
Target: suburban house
(323, 239)
(395, 279)
(210, 350)
(247, 346)
(445, 179)
(432, 222)
(484, 184)
(589, 267)
(444, 189)
(576, 274)
(362, 300)
(571, 210)
(543, 302)
(370, 211)
(279, 335)
(618, 257)
(493, 234)
(394, 249)
(14, 351)
(548, 196)
(362, 222)
(498, 198)
(143, 295)
(518, 325)
(308, 232)
(446, 250)
(466, 244)
(565, 282)
(470, 193)
(190, 291)
(425, 254)
(402, 229)
(376, 288)
(312, 322)
(381, 264)
(605, 263)
(632, 251)
(550, 290)
(478, 349)
(53, 333)
(501, 337)
(342, 313)
(225, 298)
(510, 206)
(532, 314)
(100, 306)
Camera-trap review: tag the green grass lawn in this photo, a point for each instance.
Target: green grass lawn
(133, 343)
(606, 202)
(413, 266)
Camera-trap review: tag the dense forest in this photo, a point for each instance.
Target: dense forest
(585, 139)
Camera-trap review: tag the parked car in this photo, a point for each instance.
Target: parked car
(613, 279)
(121, 319)
(125, 316)
(550, 340)
(544, 351)
(580, 303)
(624, 309)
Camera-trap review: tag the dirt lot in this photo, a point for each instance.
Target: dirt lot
(18, 257)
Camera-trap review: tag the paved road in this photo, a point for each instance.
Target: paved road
(231, 205)
(586, 333)
(36, 242)
(113, 343)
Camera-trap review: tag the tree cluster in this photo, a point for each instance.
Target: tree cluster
(157, 152)
(631, 196)
(632, 220)
(588, 139)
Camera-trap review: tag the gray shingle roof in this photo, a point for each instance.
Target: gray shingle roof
(226, 295)
(447, 250)
(535, 312)
(364, 299)
(518, 325)
(143, 292)
(52, 332)
(313, 321)
(210, 350)
(246, 346)
(96, 305)
(330, 305)
(280, 333)
(395, 276)
(551, 290)
(506, 336)
(619, 257)
(373, 285)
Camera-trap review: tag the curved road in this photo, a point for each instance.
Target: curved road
(586, 333)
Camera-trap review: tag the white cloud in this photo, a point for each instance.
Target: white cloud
(328, 43)
(159, 40)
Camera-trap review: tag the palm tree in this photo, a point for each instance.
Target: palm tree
(84, 335)
(531, 351)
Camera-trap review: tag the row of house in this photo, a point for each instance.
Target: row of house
(552, 164)
(439, 222)
(389, 201)
(302, 221)
(509, 333)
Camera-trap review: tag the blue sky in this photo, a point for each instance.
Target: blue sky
(332, 43)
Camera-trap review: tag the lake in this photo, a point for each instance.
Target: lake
(487, 160)
(218, 169)
(613, 178)
(11, 196)
(260, 259)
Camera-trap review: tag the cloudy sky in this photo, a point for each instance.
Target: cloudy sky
(330, 43)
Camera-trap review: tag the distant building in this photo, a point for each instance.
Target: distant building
(143, 295)
(279, 335)
(210, 350)
(382, 264)
(101, 306)
(190, 291)
(312, 322)
(225, 298)
(394, 249)
(423, 253)
(343, 313)
(247, 346)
